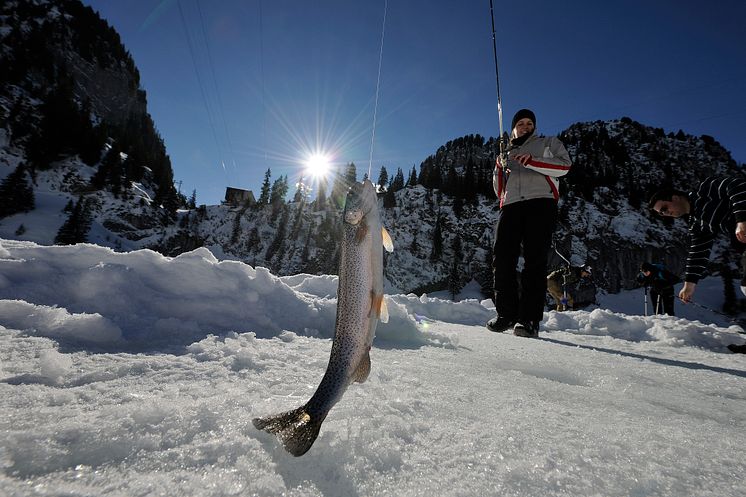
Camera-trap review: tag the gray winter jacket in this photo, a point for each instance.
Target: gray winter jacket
(538, 178)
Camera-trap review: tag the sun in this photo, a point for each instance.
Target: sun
(318, 165)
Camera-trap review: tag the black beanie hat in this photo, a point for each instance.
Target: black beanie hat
(521, 114)
(646, 266)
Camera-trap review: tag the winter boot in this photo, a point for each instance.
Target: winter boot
(526, 329)
(498, 324)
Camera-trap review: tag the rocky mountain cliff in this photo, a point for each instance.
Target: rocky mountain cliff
(73, 120)
(80, 160)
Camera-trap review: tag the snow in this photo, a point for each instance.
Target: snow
(132, 373)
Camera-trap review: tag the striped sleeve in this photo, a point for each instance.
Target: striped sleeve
(699, 254)
(555, 161)
(736, 190)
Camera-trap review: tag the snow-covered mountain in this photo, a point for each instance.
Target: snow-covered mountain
(74, 128)
(604, 220)
(76, 138)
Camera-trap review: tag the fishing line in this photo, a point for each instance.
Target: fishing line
(261, 78)
(221, 107)
(378, 86)
(201, 86)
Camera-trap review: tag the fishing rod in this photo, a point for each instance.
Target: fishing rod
(556, 250)
(697, 304)
(502, 140)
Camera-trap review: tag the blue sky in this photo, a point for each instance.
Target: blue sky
(236, 87)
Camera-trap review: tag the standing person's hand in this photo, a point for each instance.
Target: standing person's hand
(741, 231)
(522, 158)
(686, 293)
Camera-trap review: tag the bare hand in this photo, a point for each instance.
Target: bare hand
(686, 293)
(741, 231)
(522, 158)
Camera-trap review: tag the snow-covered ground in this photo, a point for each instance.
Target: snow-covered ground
(127, 374)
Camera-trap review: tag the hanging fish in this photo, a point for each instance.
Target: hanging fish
(360, 306)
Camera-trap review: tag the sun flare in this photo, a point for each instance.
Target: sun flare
(318, 165)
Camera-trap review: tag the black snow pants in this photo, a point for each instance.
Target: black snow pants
(662, 300)
(528, 224)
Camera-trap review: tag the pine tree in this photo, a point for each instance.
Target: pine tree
(265, 191)
(92, 138)
(75, 228)
(457, 248)
(16, 193)
(437, 249)
(306, 250)
(236, 231)
(425, 167)
(469, 186)
(458, 206)
(454, 279)
(253, 242)
(339, 191)
(412, 177)
(277, 197)
(454, 275)
(320, 202)
(298, 223)
(279, 190)
(398, 182)
(110, 169)
(278, 243)
(300, 191)
(452, 184)
(389, 199)
(383, 179)
(351, 174)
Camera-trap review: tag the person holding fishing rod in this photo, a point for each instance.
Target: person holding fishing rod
(526, 181)
(527, 186)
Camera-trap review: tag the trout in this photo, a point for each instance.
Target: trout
(360, 306)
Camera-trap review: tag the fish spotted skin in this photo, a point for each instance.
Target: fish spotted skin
(360, 306)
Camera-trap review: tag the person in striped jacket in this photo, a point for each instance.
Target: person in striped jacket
(527, 187)
(718, 204)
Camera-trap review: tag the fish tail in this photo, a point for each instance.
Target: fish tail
(296, 429)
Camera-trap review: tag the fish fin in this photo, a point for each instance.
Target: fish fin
(378, 307)
(388, 244)
(363, 369)
(361, 232)
(384, 312)
(296, 429)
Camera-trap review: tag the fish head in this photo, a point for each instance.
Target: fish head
(361, 199)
